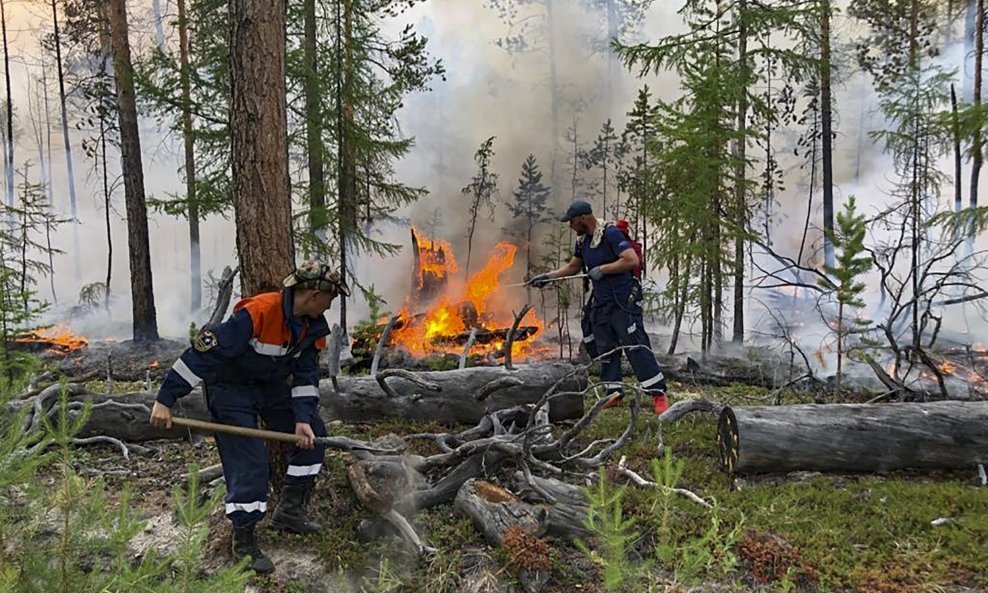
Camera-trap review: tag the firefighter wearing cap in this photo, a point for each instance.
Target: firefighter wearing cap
(262, 362)
(613, 315)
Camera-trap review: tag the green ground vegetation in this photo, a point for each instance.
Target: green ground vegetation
(797, 532)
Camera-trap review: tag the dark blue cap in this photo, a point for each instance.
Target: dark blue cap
(577, 208)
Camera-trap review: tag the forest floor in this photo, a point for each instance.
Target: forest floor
(902, 532)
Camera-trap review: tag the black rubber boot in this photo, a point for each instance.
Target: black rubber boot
(245, 545)
(291, 513)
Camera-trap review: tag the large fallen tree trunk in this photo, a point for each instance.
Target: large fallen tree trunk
(457, 397)
(853, 437)
(462, 399)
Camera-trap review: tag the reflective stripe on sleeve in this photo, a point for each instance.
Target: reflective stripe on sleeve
(305, 391)
(267, 349)
(186, 373)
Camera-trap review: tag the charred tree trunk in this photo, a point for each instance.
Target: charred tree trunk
(145, 321)
(853, 437)
(259, 144)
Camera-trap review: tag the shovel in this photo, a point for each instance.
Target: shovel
(343, 443)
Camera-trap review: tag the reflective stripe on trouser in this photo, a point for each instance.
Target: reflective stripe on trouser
(245, 460)
(613, 327)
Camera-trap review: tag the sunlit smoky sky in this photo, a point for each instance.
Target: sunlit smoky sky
(487, 92)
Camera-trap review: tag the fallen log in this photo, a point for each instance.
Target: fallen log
(361, 399)
(494, 510)
(566, 514)
(853, 437)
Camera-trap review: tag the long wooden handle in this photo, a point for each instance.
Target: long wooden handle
(341, 443)
(270, 435)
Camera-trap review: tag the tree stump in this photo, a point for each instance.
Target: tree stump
(494, 510)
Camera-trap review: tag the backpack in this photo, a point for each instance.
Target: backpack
(637, 272)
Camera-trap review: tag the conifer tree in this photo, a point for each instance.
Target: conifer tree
(530, 205)
(603, 158)
(641, 136)
(844, 277)
(897, 51)
(480, 191)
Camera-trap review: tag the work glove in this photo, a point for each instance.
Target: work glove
(596, 274)
(540, 281)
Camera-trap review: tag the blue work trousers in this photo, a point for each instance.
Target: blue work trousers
(245, 460)
(612, 325)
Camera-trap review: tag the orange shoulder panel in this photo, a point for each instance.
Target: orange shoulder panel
(266, 316)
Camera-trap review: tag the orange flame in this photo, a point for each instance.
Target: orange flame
(479, 303)
(59, 338)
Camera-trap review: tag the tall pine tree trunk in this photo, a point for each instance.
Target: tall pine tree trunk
(826, 124)
(976, 142)
(195, 251)
(740, 201)
(259, 144)
(106, 208)
(612, 64)
(955, 128)
(550, 33)
(915, 193)
(67, 144)
(313, 127)
(142, 290)
(9, 165)
(348, 161)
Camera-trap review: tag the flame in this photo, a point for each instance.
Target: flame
(478, 303)
(154, 364)
(946, 367)
(59, 338)
(435, 257)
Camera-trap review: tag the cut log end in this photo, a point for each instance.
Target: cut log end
(728, 440)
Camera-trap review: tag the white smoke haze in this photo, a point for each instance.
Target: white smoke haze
(488, 92)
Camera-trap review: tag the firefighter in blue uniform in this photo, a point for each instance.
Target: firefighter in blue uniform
(613, 316)
(263, 362)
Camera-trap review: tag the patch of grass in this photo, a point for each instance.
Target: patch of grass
(868, 532)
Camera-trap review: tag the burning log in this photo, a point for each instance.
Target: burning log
(55, 339)
(853, 437)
